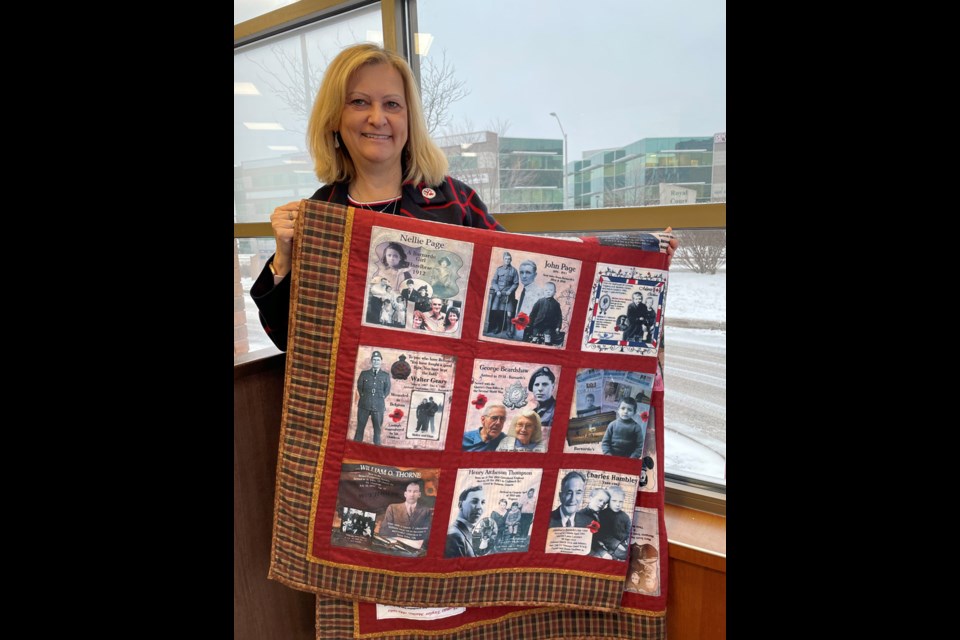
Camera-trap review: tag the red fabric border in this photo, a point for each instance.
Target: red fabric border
(576, 581)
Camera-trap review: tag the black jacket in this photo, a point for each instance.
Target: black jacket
(453, 202)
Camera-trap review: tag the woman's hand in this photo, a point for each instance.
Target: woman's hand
(672, 248)
(282, 219)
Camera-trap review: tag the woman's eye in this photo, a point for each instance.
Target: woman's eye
(358, 102)
(393, 105)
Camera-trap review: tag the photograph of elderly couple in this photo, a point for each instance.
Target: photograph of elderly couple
(512, 406)
(416, 283)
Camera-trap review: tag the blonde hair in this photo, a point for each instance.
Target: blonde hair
(533, 417)
(424, 160)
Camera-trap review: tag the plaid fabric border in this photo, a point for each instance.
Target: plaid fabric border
(336, 619)
(321, 259)
(559, 589)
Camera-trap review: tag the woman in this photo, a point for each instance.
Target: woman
(525, 433)
(418, 320)
(372, 150)
(370, 146)
(452, 323)
(394, 265)
(445, 280)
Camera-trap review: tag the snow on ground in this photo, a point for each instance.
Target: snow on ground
(696, 296)
(688, 455)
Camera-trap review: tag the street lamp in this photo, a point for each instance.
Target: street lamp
(564, 199)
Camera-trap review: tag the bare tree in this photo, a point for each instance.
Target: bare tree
(440, 88)
(463, 139)
(703, 250)
(294, 77)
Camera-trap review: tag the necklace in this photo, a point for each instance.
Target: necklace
(383, 206)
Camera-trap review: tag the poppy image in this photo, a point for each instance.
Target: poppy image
(521, 321)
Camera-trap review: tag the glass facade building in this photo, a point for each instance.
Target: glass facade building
(651, 171)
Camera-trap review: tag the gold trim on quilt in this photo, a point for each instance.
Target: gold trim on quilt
(645, 612)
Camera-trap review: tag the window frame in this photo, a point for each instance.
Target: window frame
(399, 24)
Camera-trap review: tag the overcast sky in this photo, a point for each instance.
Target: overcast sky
(625, 70)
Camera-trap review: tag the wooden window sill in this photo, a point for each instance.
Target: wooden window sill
(697, 537)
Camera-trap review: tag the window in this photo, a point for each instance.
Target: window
(530, 119)
(247, 9)
(275, 82)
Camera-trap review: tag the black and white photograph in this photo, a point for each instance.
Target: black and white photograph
(529, 298)
(492, 512)
(626, 310)
(643, 571)
(426, 415)
(610, 412)
(592, 513)
(401, 398)
(385, 509)
(516, 388)
(416, 282)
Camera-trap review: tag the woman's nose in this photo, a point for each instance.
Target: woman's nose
(377, 116)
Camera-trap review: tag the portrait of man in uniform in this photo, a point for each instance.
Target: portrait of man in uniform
(373, 385)
(503, 302)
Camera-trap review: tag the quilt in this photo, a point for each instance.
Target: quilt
(472, 429)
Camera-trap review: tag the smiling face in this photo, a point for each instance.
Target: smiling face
(373, 124)
(524, 429)
(571, 493)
